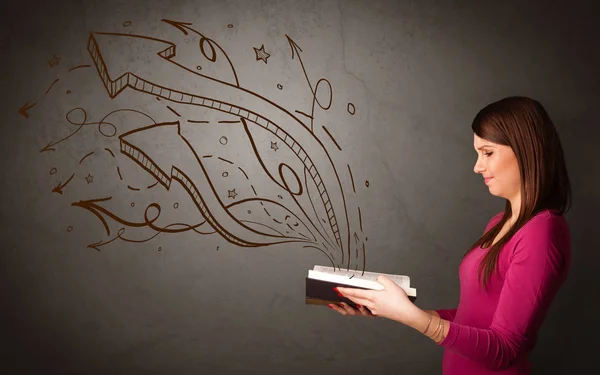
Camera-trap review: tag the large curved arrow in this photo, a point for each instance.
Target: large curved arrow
(140, 62)
(194, 179)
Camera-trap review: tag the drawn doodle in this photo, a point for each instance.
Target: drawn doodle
(60, 186)
(54, 60)
(24, 108)
(333, 139)
(261, 54)
(329, 95)
(295, 197)
(351, 109)
(52, 84)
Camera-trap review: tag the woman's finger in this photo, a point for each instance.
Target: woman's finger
(353, 292)
(349, 309)
(364, 311)
(339, 309)
(360, 301)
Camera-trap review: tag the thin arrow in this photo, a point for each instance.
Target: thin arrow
(296, 51)
(58, 189)
(50, 146)
(24, 108)
(296, 48)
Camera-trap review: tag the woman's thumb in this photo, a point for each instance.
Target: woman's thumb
(383, 280)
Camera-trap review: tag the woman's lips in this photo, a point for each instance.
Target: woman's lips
(487, 179)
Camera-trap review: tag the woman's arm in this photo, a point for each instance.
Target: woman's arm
(447, 314)
(538, 267)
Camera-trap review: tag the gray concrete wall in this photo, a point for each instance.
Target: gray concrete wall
(111, 268)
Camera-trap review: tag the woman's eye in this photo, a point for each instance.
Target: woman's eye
(488, 153)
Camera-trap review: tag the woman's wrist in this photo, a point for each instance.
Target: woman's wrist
(429, 324)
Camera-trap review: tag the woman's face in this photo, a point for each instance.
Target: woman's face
(499, 167)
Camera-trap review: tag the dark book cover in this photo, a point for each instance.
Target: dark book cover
(319, 292)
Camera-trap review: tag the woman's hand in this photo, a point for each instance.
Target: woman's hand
(345, 309)
(391, 302)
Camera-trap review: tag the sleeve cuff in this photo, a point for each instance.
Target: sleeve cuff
(446, 314)
(450, 338)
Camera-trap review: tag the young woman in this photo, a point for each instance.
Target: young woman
(510, 276)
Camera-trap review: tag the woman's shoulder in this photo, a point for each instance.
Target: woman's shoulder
(548, 218)
(546, 226)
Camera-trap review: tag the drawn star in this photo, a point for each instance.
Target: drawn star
(274, 146)
(89, 179)
(54, 60)
(231, 194)
(261, 54)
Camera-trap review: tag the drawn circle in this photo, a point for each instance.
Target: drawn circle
(351, 109)
(151, 219)
(279, 86)
(367, 183)
(77, 116)
(249, 211)
(225, 174)
(223, 140)
(175, 205)
(127, 23)
(199, 67)
(159, 248)
(286, 173)
(323, 96)
(69, 228)
(132, 204)
(68, 91)
(53, 171)
(212, 55)
(230, 26)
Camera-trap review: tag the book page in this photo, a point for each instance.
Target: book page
(402, 280)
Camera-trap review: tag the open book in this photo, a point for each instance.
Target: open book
(321, 280)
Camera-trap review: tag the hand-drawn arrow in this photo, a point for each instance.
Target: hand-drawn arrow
(24, 108)
(296, 48)
(108, 50)
(296, 51)
(194, 179)
(60, 186)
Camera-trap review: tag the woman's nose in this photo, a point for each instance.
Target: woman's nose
(478, 168)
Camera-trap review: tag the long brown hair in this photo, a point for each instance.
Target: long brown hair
(523, 124)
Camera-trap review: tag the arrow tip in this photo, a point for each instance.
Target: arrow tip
(180, 25)
(93, 246)
(293, 45)
(47, 148)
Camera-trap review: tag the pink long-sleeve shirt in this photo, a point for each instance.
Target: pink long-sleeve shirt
(493, 331)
